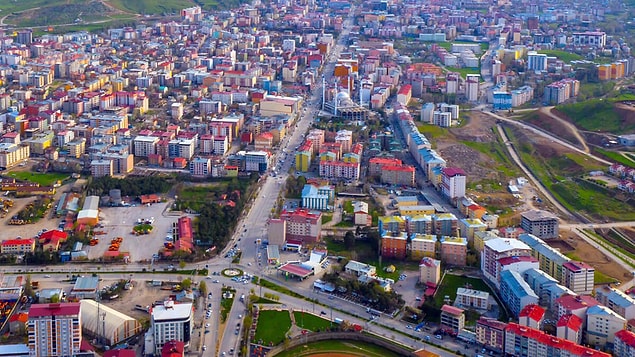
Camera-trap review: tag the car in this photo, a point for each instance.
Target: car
(322, 312)
(47, 276)
(209, 306)
(206, 331)
(204, 347)
(409, 327)
(438, 337)
(206, 325)
(215, 281)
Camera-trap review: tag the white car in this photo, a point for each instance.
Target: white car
(206, 325)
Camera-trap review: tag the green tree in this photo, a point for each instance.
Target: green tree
(182, 264)
(202, 288)
(28, 288)
(349, 240)
(55, 298)
(186, 284)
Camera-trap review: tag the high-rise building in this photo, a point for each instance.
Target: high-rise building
(540, 223)
(54, 329)
(170, 322)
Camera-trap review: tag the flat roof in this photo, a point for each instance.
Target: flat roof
(172, 311)
(86, 283)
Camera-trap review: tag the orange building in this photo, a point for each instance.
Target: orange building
(394, 246)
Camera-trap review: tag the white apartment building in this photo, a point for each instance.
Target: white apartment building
(171, 322)
(601, 325)
(470, 298)
(145, 145)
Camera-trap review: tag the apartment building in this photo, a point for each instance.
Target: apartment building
(429, 271)
(394, 245)
(616, 300)
(170, 322)
(532, 316)
(423, 245)
(522, 341)
(624, 345)
(497, 248)
(569, 327)
(515, 292)
(602, 324)
(579, 277)
(303, 225)
(472, 299)
(453, 250)
(17, 246)
(403, 175)
(54, 330)
(550, 259)
(453, 181)
(491, 333)
(13, 154)
(452, 318)
(542, 224)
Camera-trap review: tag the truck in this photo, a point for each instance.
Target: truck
(338, 321)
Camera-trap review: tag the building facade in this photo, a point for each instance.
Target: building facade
(54, 330)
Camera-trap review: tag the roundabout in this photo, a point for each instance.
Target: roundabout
(231, 272)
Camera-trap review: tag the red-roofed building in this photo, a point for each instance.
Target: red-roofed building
(405, 94)
(185, 237)
(452, 319)
(624, 345)
(453, 182)
(173, 349)
(52, 239)
(376, 163)
(576, 305)
(120, 353)
(526, 341)
(151, 198)
(295, 270)
(55, 329)
(569, 327)
(403, 175)
(17, 246)
(264, 141)
(302, 225)
(531, 316)
(491, 333)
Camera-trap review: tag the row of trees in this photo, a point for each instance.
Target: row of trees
(131, 185)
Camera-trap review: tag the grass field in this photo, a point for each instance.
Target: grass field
(465, 71)
(565, 56)
(452, 282)
(596, 115)
(616, 157)
(310, 322)
(44, 179)
(352, 348)
(272, 327)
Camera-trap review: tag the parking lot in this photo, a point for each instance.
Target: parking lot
(119, 221)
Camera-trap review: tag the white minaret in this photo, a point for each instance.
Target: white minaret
(323, 91)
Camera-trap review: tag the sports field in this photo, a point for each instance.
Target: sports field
(338, 348)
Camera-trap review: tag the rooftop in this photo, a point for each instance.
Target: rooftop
(172, 311)
(56, 309)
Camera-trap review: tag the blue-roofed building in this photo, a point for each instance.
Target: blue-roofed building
(545, 286)
(551, 260)
(601, 325)
(616, 300)
(317, 198)
(515, 292)
(431, 159)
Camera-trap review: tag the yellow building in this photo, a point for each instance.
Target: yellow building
(13, 154)
(77, 147)
(303, 157)
(416, 210)
(40, 142)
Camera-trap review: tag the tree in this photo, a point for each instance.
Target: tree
(55, 298)
(28, 288)
(349, 240)
(202, 288)
(181, 264)
(186, 284)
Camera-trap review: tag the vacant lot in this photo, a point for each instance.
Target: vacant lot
(577, 249)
